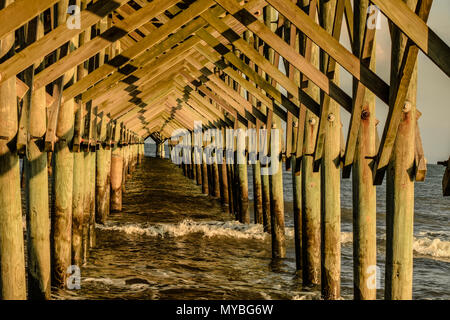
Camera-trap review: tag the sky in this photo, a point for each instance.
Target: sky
(433, 97)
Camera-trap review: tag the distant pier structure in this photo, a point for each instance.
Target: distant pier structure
(230, 84)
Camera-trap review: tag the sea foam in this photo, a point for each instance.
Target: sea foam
(208, 229)
(433, 247)
(231, 229)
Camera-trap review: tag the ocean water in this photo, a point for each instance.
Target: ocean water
(172, 242)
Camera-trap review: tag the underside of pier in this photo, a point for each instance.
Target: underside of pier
(228, 84)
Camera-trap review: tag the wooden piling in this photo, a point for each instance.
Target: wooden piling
(86, 205)
(36, 187)
(197, 164)
(223, 182)
(209, 168)
(400, 186)
(265, 194)
(364, 191)
(311, 211)
(124, 150)
(330, 182)
(276, 165)
(92, 161)
(215, 168)
(311, 237)
(116, 179)
(257, 193)
(230, 179)
(276, 197)
(103, 166)
(205, 183)
(297, 208)
(446, 180)
(78, 216)
(244, 213)
(12, 260)
(193, 165)
(63, 195)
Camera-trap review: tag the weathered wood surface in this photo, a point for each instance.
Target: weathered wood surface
(400, 186)
(364, 192)
(330, 186)
(12, 261)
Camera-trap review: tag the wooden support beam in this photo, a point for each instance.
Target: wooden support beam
(56, 38)
(22, 11)
(117, 164)
(364, 48)
(149, 41)
(35, 164)
(103, 40)
(257, 79)
(332, 47)
(282, 48)
(329, 68)
(103, 169)
(398, 97)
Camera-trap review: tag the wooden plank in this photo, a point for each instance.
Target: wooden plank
(299, 148)
(446, 179)
(417, 31)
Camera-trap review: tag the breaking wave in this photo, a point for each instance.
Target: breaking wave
(231, 229)
(208, 229)
(433, 247)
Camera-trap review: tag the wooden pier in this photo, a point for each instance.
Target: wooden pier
(84, 83)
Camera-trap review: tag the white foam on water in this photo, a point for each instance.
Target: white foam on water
(106, 281)
(433, 247)
(208, 229)
(424, 245)
(265, 296)
(346, 237)
(231, 229)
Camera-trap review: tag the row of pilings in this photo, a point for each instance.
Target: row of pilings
(86, 186)
(317, 210)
